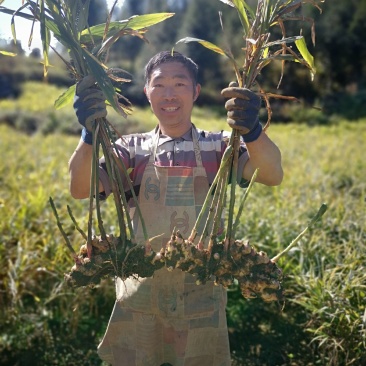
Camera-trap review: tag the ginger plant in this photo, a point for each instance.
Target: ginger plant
(109, 255)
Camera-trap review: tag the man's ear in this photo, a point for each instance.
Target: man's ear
(197, 92)
(145, 91)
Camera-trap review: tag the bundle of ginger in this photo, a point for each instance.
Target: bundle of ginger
(256, 274)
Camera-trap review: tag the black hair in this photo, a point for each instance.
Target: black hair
(171, 56)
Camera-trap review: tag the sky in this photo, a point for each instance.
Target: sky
(23, 26)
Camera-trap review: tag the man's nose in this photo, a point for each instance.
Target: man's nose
(169, 92)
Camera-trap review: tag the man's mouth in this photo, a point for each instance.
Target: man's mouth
(170, 109)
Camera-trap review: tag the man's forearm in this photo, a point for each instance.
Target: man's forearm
(80, 170)
(265, 156)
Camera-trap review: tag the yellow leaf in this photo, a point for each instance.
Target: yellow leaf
(204, 43)
(6, 53)
(301, 46)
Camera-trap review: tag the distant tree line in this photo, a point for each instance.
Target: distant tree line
(339, 85)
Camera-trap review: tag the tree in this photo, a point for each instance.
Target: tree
(164, 35)
(98, 12)
(204, 25)
(341, 52)
(127, 48)
(341, 44)
(133, 7)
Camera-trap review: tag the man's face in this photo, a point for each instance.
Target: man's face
(171, 93)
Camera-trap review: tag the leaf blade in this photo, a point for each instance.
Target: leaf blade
(241, 7)
(65, 98)
(301, 46)
(7, 53)
(136, 22)
(103, 81)
(211, 46)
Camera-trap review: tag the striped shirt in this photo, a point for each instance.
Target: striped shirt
(136, 149)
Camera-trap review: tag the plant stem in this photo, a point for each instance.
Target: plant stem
(114, 188)
(223, 166)
(242, 201)
(221, 204)
(318, 215)
(119, 162)
(97, 199)
(213, 212)
(78, 228)
(234, 172)
(91, 194)
(68, 244)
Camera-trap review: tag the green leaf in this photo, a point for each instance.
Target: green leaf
(301, 46)
(20, 14)
(211, 47)
(45, 37)
(233, 4)
(12, 23)
(142, 21)
(65, 98)
(323, 208)
(241, 7)
(136, 22)
(204, 43)
(54, 24)
(79, 12)
(103, 81)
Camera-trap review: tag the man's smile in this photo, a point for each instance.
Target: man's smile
(170, 109)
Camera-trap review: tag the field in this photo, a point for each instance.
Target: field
(323, 319)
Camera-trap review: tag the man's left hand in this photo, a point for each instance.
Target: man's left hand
(243, 111)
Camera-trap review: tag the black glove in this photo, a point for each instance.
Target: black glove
(89, 104)
(243, 111)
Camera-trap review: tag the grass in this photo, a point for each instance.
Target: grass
(325, 271)
(31, 114)
(322, 322)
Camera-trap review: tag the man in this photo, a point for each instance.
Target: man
(167, 319)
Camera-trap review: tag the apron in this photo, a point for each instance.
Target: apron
(167, 318)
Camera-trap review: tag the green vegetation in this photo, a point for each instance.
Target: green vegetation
(34, 112)
(323, 319)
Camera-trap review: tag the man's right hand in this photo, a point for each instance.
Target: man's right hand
(89, 102)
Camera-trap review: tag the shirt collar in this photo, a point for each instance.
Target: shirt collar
(164, 138)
